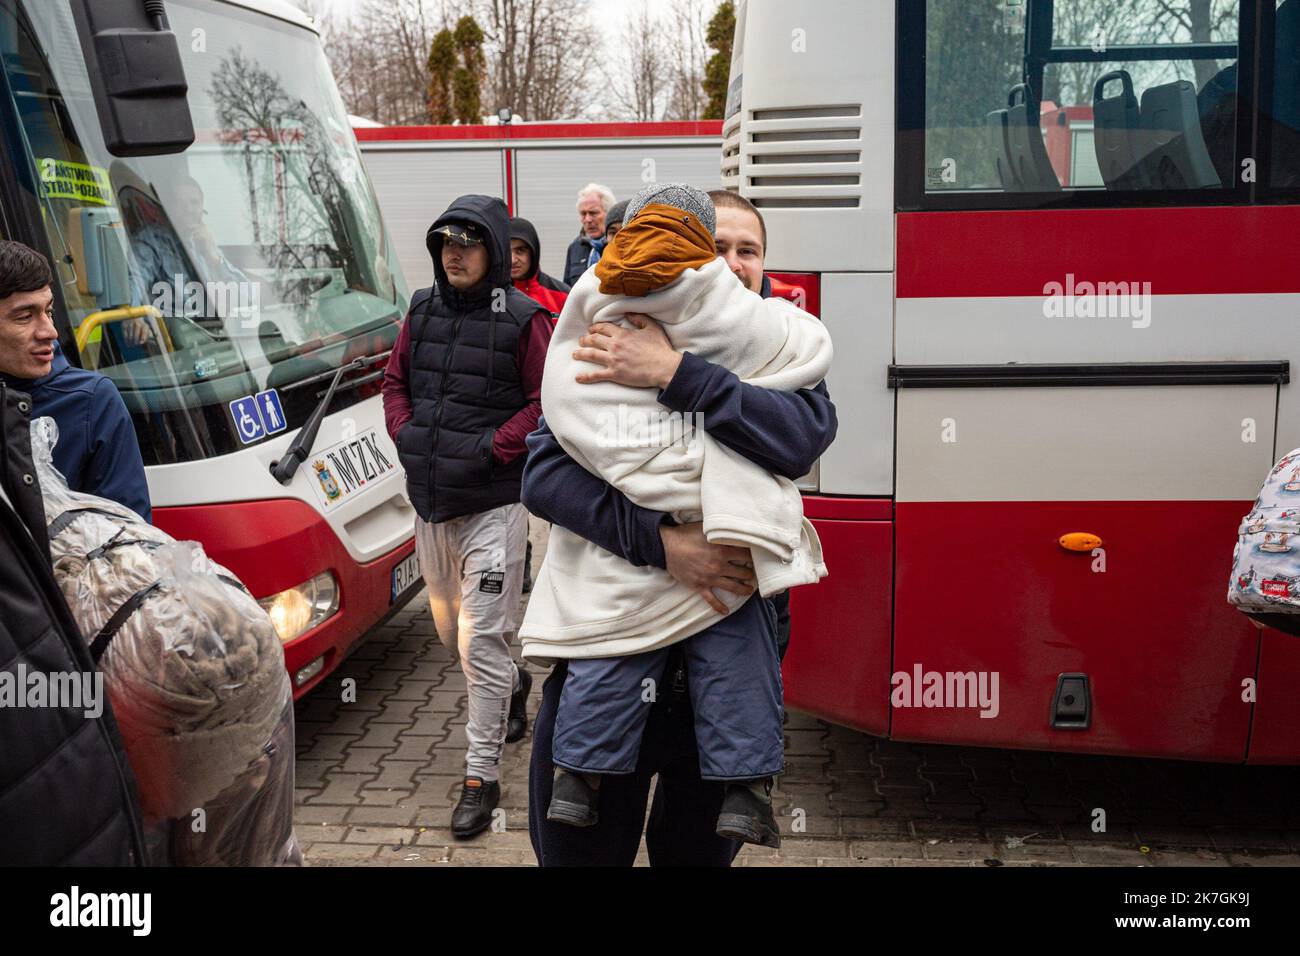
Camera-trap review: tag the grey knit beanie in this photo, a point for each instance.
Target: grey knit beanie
(679, 196)
(616, 213)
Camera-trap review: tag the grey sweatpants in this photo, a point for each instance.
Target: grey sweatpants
(473, 567)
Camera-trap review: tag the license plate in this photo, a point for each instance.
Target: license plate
(405, 573)
(347, 469)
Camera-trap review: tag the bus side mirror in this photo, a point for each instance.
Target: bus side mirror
(134, 64)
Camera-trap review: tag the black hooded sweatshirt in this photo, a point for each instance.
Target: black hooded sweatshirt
(524, 231)
(464, 381)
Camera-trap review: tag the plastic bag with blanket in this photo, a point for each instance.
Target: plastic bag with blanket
(193, 668)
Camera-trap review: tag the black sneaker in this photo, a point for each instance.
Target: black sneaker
(473, 813)
(747, 817)
(573, 800)
(517, 725)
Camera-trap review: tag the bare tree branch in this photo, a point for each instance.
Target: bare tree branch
(539, 55)
(637, 87)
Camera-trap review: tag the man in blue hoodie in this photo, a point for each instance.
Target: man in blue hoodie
(97, 451)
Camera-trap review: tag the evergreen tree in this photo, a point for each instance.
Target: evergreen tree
(721, 33)
(442, 64)
(467, 80)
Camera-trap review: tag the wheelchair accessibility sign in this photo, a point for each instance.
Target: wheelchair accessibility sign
(257, 416)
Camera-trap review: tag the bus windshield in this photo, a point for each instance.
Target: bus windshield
(254, 260)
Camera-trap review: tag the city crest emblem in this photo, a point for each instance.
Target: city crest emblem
(327, 482)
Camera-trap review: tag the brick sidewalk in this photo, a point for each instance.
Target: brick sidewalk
(377, 780)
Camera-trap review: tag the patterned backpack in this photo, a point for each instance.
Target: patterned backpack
(1265, 581)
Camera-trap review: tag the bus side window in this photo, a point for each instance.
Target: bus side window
(1022, 96)
(973, 59)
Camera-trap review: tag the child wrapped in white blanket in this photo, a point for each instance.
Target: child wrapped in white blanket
(614, 621)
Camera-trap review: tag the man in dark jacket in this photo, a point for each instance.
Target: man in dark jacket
(594, 201)
(782, 432)
(97, 450)
(67, 795)
(525, 254)
(461, 393)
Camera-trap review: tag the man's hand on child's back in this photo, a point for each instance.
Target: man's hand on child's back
(702, 566)
(640, 358)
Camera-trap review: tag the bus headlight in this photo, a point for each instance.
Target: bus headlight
(297, 610)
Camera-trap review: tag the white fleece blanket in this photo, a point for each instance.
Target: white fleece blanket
(588, 602)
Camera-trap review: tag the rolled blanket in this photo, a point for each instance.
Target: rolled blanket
(587, 602)
(193, 667)
(250, 823)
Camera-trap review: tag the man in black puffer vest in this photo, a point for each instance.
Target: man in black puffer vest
(461, 392)
(67, 794)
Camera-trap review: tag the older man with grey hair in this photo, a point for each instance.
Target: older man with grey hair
(594, 201)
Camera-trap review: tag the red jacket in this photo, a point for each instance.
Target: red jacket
(550, 299)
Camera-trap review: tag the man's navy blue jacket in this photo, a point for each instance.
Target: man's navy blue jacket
(576, 256)
(782, 432)
(98, 452)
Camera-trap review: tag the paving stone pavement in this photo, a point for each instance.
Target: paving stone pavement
(377, 778)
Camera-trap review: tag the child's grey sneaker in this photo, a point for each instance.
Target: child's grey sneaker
(747, 814)
(573, 800)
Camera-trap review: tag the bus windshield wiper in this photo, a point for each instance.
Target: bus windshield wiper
(359, 363)
(362, 380)
(283, 469)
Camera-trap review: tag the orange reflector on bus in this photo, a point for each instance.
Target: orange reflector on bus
(1079, 541)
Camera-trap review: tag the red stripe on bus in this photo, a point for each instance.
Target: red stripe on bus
(540, 131)
(849, 509)
(1180, 251)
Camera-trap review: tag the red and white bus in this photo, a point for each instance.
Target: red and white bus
(1054, 241)
(224, 289)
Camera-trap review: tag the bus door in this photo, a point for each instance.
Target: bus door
(1092, 342)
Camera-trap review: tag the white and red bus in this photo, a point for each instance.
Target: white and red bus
(1055, 243)
(225, 289)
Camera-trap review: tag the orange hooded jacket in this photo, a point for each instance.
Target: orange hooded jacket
(654, 249)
